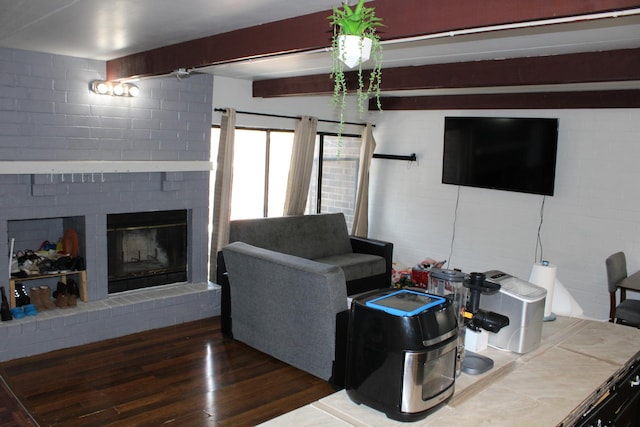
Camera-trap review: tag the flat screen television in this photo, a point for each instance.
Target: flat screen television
(511, 154)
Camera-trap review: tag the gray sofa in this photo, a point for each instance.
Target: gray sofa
(285, 283)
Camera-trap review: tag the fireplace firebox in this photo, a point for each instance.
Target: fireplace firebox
(146, 249)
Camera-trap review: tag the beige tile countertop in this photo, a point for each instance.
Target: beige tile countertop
(539, 388)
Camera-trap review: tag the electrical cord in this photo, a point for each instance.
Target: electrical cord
(539, 238)
(453, 233)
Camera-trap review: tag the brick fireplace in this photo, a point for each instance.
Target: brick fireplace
(72, 158)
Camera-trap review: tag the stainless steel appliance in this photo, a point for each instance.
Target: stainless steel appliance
(450, 283)
(523, 303)
(401, 352)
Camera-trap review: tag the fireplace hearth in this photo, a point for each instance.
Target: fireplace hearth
(146, 249)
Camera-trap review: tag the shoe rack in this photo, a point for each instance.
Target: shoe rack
(82, 283)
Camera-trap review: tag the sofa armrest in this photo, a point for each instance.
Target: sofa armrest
(285, 306)
(375, 247)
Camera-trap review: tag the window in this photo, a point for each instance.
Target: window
(261, 170)
(334, 180)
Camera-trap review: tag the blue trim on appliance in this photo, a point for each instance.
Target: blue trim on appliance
(399, 312)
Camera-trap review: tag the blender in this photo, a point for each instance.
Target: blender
(450, 284)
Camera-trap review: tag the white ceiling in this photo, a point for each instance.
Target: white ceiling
(103, 30)
(108, 29)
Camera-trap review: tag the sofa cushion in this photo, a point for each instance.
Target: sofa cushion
(356, 266)
(306, 236)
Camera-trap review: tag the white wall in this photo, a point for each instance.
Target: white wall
(595, 210)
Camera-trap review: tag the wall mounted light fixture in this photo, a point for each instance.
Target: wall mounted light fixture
(102, 87)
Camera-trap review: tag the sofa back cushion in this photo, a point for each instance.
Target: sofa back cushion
(307, 236)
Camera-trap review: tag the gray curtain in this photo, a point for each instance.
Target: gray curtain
(222, 191)
(304, 142)
(360, 225)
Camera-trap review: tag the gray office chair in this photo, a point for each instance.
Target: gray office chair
(628, 311)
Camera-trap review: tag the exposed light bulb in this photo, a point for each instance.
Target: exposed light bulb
(118, 89)
(133, 90)
(102, 88)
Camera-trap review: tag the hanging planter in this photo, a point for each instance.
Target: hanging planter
(354, 42)
(353, 50)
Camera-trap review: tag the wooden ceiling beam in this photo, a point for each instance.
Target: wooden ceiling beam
(589, 67)
(309, 32)
(514, 101)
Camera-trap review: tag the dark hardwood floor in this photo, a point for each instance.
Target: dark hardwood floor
(186, 375)
(12, 414)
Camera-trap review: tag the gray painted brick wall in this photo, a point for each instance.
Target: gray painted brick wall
(48, 113)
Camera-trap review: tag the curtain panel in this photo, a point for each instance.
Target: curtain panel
(222, 190)
(360, 225)
(304, 142)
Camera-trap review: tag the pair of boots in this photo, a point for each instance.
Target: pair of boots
(66, 294)
(21, 296)
(41, 298)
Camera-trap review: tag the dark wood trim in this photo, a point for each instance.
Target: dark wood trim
(528, 101)
(419, 17)
(312, 32)
(308, 32)
(588, 67)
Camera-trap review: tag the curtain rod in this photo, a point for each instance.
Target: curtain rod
(410, 158)
(222, 110)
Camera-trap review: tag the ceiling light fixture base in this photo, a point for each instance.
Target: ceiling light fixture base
(102, 87)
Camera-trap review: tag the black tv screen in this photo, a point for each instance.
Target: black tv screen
(512, 154)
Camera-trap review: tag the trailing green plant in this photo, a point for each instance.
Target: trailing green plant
(359, 21)
(356, 21)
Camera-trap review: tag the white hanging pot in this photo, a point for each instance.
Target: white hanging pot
(353, 49)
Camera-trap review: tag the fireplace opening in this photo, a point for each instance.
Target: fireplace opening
(146, 249)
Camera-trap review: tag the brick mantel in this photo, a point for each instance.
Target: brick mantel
(73, 166)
